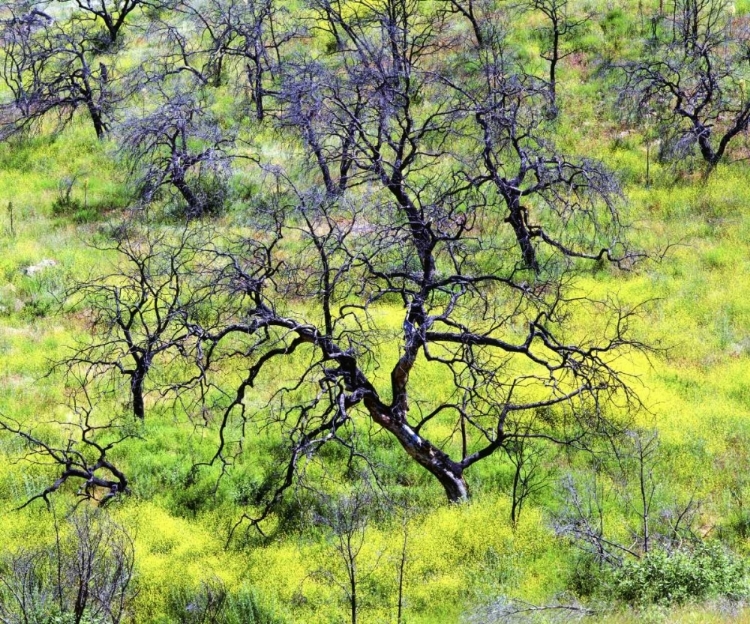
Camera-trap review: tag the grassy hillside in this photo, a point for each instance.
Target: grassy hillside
(420, 559)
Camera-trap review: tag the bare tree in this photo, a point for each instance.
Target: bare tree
(224, 41)
(178, 144)
(561, 27)
(628, 480)
(529, 475)
(328, 132)
(517, 611)
(135, 304)
(347, 520)
(112, 14)
(204, 606)
(318, 321)
(551, 198)
(249, 35)
(582, 519)
(85, 575)
(691, 80)
(52, 65)
(80, 454)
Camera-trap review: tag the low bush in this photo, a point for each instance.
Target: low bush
(214, 603)
(662, 577)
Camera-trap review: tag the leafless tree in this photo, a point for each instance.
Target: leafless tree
(561, 26)
(691, 79)
(113, 14)
(85, 575)
(177, 144)
(347, 520)
(530, 476)
(628, 480)
(53, 65)
(583, 519)
(520, 612)
(316, 322)
(551, 198)
(249, 35)
(206, 605)
(225, 41)
(81, 453)
(135, 304)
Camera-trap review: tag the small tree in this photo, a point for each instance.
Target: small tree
(178, 145)
(85, 457)
(53, 65)
(529, 477)
(561, 26)
(550, 197)
(248, 35)
(346, 520)
(139, 314)
(112, 14)
(691, 79)
(626, 482)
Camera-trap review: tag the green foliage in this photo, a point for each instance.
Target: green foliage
(706, 571)
(42, 292)
(586, 577)
(64, 203)
(213, 603)
(697, 392)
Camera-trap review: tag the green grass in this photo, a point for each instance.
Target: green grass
(696, 389)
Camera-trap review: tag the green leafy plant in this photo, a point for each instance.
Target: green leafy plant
(662, 577)
(65, 203)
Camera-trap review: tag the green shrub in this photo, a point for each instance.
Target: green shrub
(663, 578)
(41, 293)
(586, 577)
(214, 603)
(65, 203)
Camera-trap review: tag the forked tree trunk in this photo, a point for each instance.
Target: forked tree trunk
(449, 473)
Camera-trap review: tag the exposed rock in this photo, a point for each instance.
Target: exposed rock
(40, 266)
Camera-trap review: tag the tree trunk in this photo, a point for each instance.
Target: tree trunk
(449, 473)
(515, 508)
(195, 209)
(136, 389)
(401, 574)
(703, 135)
(517, 220)
(553, 68)
(96, 117)
(259, 110)
(353, 593)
